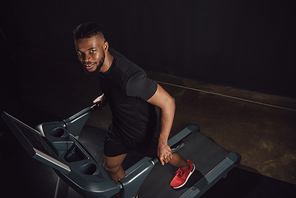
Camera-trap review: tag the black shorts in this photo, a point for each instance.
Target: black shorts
(115, 146)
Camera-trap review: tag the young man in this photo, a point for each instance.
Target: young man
(132, 97)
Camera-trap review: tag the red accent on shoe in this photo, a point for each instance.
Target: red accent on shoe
(182, 176)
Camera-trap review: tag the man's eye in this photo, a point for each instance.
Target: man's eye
(92, 51)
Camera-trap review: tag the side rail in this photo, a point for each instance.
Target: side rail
(221, 170)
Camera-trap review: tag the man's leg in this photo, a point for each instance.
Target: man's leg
(179, 161)
(185, 170)
(113, 167)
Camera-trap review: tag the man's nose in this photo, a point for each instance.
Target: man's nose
(86, 58)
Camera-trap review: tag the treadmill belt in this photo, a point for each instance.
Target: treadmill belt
(204, 154)
(93, 139)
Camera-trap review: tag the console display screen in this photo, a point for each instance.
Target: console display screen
(35, 144)
(30, 138)
(35, 139)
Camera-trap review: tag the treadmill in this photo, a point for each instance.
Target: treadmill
(56, 144)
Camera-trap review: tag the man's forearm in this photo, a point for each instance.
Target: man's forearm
(167, 114)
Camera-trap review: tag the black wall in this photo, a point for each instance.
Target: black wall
(243, 44)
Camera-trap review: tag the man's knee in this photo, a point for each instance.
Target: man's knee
(113, 164)
(113, 169)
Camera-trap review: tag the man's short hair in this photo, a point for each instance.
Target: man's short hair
(87, 30)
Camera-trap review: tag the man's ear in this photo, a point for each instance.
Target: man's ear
(106, 45)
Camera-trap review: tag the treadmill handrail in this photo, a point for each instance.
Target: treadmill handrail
(75, 123)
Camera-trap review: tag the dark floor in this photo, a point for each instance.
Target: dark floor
(262, 128)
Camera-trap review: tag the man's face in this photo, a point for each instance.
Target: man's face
(90, 53)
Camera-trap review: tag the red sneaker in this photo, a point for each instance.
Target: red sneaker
(182, 176)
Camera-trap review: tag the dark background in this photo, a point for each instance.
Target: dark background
(242, 44)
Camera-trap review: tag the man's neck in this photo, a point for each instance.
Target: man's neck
(107, 63)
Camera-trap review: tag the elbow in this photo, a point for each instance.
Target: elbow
(172, 103)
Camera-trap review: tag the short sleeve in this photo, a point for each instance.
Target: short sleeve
(139, 85)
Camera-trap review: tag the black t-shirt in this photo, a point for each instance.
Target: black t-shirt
(127, 88)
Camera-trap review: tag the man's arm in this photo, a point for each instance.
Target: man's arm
(166, 103)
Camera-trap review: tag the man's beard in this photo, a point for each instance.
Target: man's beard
(96, 72)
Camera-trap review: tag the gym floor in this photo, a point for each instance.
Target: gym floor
(260, 127)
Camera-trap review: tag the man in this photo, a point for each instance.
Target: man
(132, 97)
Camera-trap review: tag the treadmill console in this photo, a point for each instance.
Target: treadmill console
(54, 145)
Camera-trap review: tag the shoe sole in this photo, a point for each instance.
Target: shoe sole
(193, 169)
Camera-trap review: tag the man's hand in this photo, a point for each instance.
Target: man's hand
(164, 153)
(100, 101)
